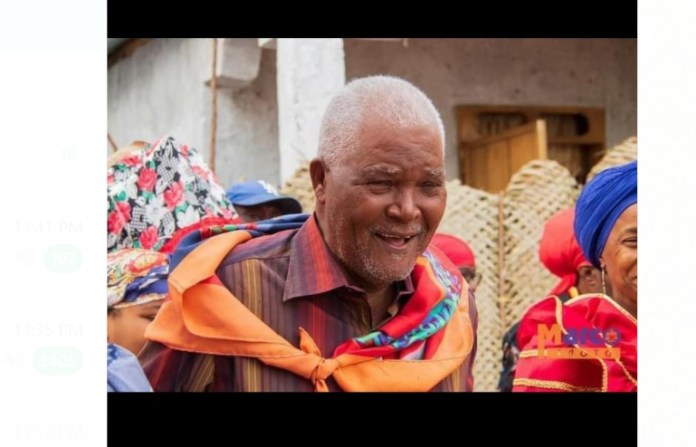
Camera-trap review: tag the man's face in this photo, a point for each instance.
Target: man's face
(380, 205)
(257, 213)
(471, 277)
(589, 280)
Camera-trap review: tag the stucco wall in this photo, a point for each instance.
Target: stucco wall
(573, 72)
(160, 89)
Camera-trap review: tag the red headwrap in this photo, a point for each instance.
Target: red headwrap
(559, 250)
(455, 249)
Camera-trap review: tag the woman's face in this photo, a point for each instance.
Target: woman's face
(620, 259)
(126, 326)
(590, 280)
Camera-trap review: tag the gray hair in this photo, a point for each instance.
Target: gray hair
(397, 102)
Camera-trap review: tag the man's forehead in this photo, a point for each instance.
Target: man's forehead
(387, 168)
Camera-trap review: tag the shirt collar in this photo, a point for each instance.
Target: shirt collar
(314, 270)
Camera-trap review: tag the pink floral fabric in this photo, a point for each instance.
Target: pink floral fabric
(155, 193)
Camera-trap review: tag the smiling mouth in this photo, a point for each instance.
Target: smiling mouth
(397, 241)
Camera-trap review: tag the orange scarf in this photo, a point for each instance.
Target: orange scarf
(203, 316)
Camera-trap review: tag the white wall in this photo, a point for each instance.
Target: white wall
(247, 129)
(310, 72)
(452, 72)
(160, 89)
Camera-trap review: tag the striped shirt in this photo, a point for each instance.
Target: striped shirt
(289, 280)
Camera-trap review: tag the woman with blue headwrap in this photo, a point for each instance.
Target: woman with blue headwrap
(606, 226)
(590, 342)
(136, 289)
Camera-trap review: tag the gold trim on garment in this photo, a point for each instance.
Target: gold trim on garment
(620, 309)
(559, 320)
(529, 353)
(553, 385)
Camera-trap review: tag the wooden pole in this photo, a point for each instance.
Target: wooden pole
(502, 299)
(213, 117)
(114, 147)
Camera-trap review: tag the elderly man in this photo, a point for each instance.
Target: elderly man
(350, 298)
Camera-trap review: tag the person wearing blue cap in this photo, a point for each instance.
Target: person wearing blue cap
(258, 200)
(606, 228)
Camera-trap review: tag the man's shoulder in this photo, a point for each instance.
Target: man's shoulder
(277, 245)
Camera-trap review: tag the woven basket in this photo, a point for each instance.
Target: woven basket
(472, 215)
(534, 193)
(618, 155)
(537, 191)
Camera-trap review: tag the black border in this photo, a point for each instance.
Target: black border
(481, 418)
(541, 18)
(562, 419)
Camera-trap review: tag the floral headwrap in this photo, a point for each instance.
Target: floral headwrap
(136, 276)
(156, 191)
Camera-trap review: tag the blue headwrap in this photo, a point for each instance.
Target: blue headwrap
(601, 203)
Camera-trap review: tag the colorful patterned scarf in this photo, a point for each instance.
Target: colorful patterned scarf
(136, 277)
(157, 192)
(203, 316)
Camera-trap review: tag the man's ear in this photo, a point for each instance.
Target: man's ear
(317, 172)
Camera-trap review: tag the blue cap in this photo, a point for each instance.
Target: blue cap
(261, 193)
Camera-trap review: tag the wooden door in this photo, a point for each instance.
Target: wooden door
(488, 163)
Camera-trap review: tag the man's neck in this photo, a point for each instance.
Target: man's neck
(379, 301)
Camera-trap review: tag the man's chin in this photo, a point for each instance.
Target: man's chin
(393, 273)
(378, 269)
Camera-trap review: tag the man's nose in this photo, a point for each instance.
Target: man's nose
(404, 206)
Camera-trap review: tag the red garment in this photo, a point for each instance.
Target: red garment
(455, 249)
(559, 250)
(181, 233)
(591, 311)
